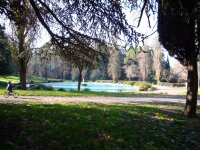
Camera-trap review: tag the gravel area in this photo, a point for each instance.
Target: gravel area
(101, 100)
(169, 97)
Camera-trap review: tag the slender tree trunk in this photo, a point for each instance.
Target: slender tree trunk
(63, 76)
(46, 73)
(79, 79)
(115, 79)
(192, 88)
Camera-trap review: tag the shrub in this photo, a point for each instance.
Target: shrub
(171, 84)
(86, 89)
(40, 87)
(49, 88)
(164, 84)
(17, 87)
(132, 83)
(3, 84)
(173, 80)
(135, 78)
(178, 85)
(144, 86)
(104, 81)
(182, 80)
(163, 80)
(61, 89)
(152, 88)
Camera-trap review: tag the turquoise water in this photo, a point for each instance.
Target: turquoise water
(108, 87)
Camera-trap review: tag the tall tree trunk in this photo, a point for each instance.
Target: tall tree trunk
(115, 79)
(192, 88)
(45, 73)
(22, 75)
(22, 58)
(79, 79)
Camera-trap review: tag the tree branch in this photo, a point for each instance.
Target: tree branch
(142, 10)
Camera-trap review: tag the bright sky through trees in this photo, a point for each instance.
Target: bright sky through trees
(132, 17)
(144, 28)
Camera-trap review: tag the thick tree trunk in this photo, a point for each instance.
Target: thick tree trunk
(22, 74)
(22, 60)
(192, 89)
(79, 79)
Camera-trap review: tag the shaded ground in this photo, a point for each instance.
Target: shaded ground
(97, 126)
(78, 125)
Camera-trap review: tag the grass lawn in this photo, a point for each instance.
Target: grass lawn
(77, 93)
(95, 126)
(15, 79)
(5, 79)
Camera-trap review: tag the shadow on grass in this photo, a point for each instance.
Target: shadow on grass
(95, 126)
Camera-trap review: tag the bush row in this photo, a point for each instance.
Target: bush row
(3, 84)
(44, 87)
(40, 87)
(172, 84)
(104, 81)
(142, 86)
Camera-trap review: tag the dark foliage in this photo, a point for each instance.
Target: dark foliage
(85, 22)
(179, 28)
(175, 29)
(5, 54)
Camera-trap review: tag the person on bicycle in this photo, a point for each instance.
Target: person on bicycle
(9, 87)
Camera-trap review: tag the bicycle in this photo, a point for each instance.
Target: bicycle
(14, 94)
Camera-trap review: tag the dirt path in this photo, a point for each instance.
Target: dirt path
(170, 98)
(102, 100)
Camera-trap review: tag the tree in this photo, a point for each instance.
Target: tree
(198, 73)
(24, 25)
(45, 56)
(95, 74)
(81, 65)
(82, 24)
(114, 65)
(131, 64)
(81, 61)
(145, 62)
(158, 59)
(179, 32)
(69, 21)
(179, 71)
(5, 54)
(74, 74)
(89, 20)
(166, 68)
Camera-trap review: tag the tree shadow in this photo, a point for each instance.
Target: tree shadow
(96, 126)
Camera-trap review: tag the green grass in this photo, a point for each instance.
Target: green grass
(77, 93)
(36, 79)
(15, 79)
(95, 126)
(5, 79)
